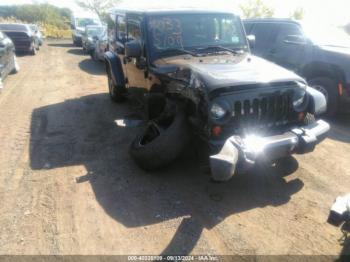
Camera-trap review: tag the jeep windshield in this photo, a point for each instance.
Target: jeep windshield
(179, 33)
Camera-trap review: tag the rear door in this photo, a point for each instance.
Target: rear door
(290, 46)
(135, 66)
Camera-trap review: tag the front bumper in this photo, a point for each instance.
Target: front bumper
(250, 149)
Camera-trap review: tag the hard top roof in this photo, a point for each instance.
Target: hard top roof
(161, 11)
(14, 27)
(271, 20)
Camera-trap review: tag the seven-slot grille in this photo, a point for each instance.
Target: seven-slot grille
(271, 110)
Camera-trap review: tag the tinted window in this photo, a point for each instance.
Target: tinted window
(121, 29)
(248, 27)
(265, 37)
(287, 30)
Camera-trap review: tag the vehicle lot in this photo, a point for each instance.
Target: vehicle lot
(68, 185)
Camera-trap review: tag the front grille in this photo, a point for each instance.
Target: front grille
(262, 112)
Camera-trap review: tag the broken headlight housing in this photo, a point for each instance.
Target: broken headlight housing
(218, 111)
(300, 98)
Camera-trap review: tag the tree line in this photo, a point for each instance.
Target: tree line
(38, 13)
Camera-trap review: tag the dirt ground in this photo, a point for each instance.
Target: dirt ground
(68, 185)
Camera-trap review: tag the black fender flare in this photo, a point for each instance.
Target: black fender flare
(114, 68)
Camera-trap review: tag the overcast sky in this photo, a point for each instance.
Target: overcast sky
(336, 12)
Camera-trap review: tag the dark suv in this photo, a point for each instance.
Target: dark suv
(320, 54)
(22, 36)
(201, 81)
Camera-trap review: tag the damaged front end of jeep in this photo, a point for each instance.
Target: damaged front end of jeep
(248, 122)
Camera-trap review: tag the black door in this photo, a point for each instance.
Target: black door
(289, 48)
(135, 67)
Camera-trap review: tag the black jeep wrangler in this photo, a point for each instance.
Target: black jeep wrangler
(202, 82)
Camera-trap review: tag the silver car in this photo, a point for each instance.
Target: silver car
(89, 38)
(101, 47)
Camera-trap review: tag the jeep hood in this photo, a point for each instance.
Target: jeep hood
(231, 70)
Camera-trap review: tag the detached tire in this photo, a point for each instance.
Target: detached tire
(328, 87)
(159, 145)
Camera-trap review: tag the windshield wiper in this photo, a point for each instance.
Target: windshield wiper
(218, 47)
(181, 50)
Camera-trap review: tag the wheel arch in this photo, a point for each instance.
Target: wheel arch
(114, 69)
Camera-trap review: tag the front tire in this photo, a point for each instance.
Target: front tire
(328, 87)
(161, 142)
(117, 94)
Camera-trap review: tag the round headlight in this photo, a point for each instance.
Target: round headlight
(217, 111)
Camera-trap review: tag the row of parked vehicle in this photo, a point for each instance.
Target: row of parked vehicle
(94, 41)
(14, 37)
(201, 81)
(321, 55)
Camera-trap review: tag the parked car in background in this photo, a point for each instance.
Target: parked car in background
(90, 36)
(318, 53)
(22, 37)
(201, 79)
(78, 24)
(8, 61)
(101, 47)
(38, 33)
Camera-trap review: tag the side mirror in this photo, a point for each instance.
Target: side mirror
(251, 41)
(295, 39)
(133, 49)
(72, 27)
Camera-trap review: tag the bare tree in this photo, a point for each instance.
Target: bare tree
(256, 9)
(99, 7)
(298, 14)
